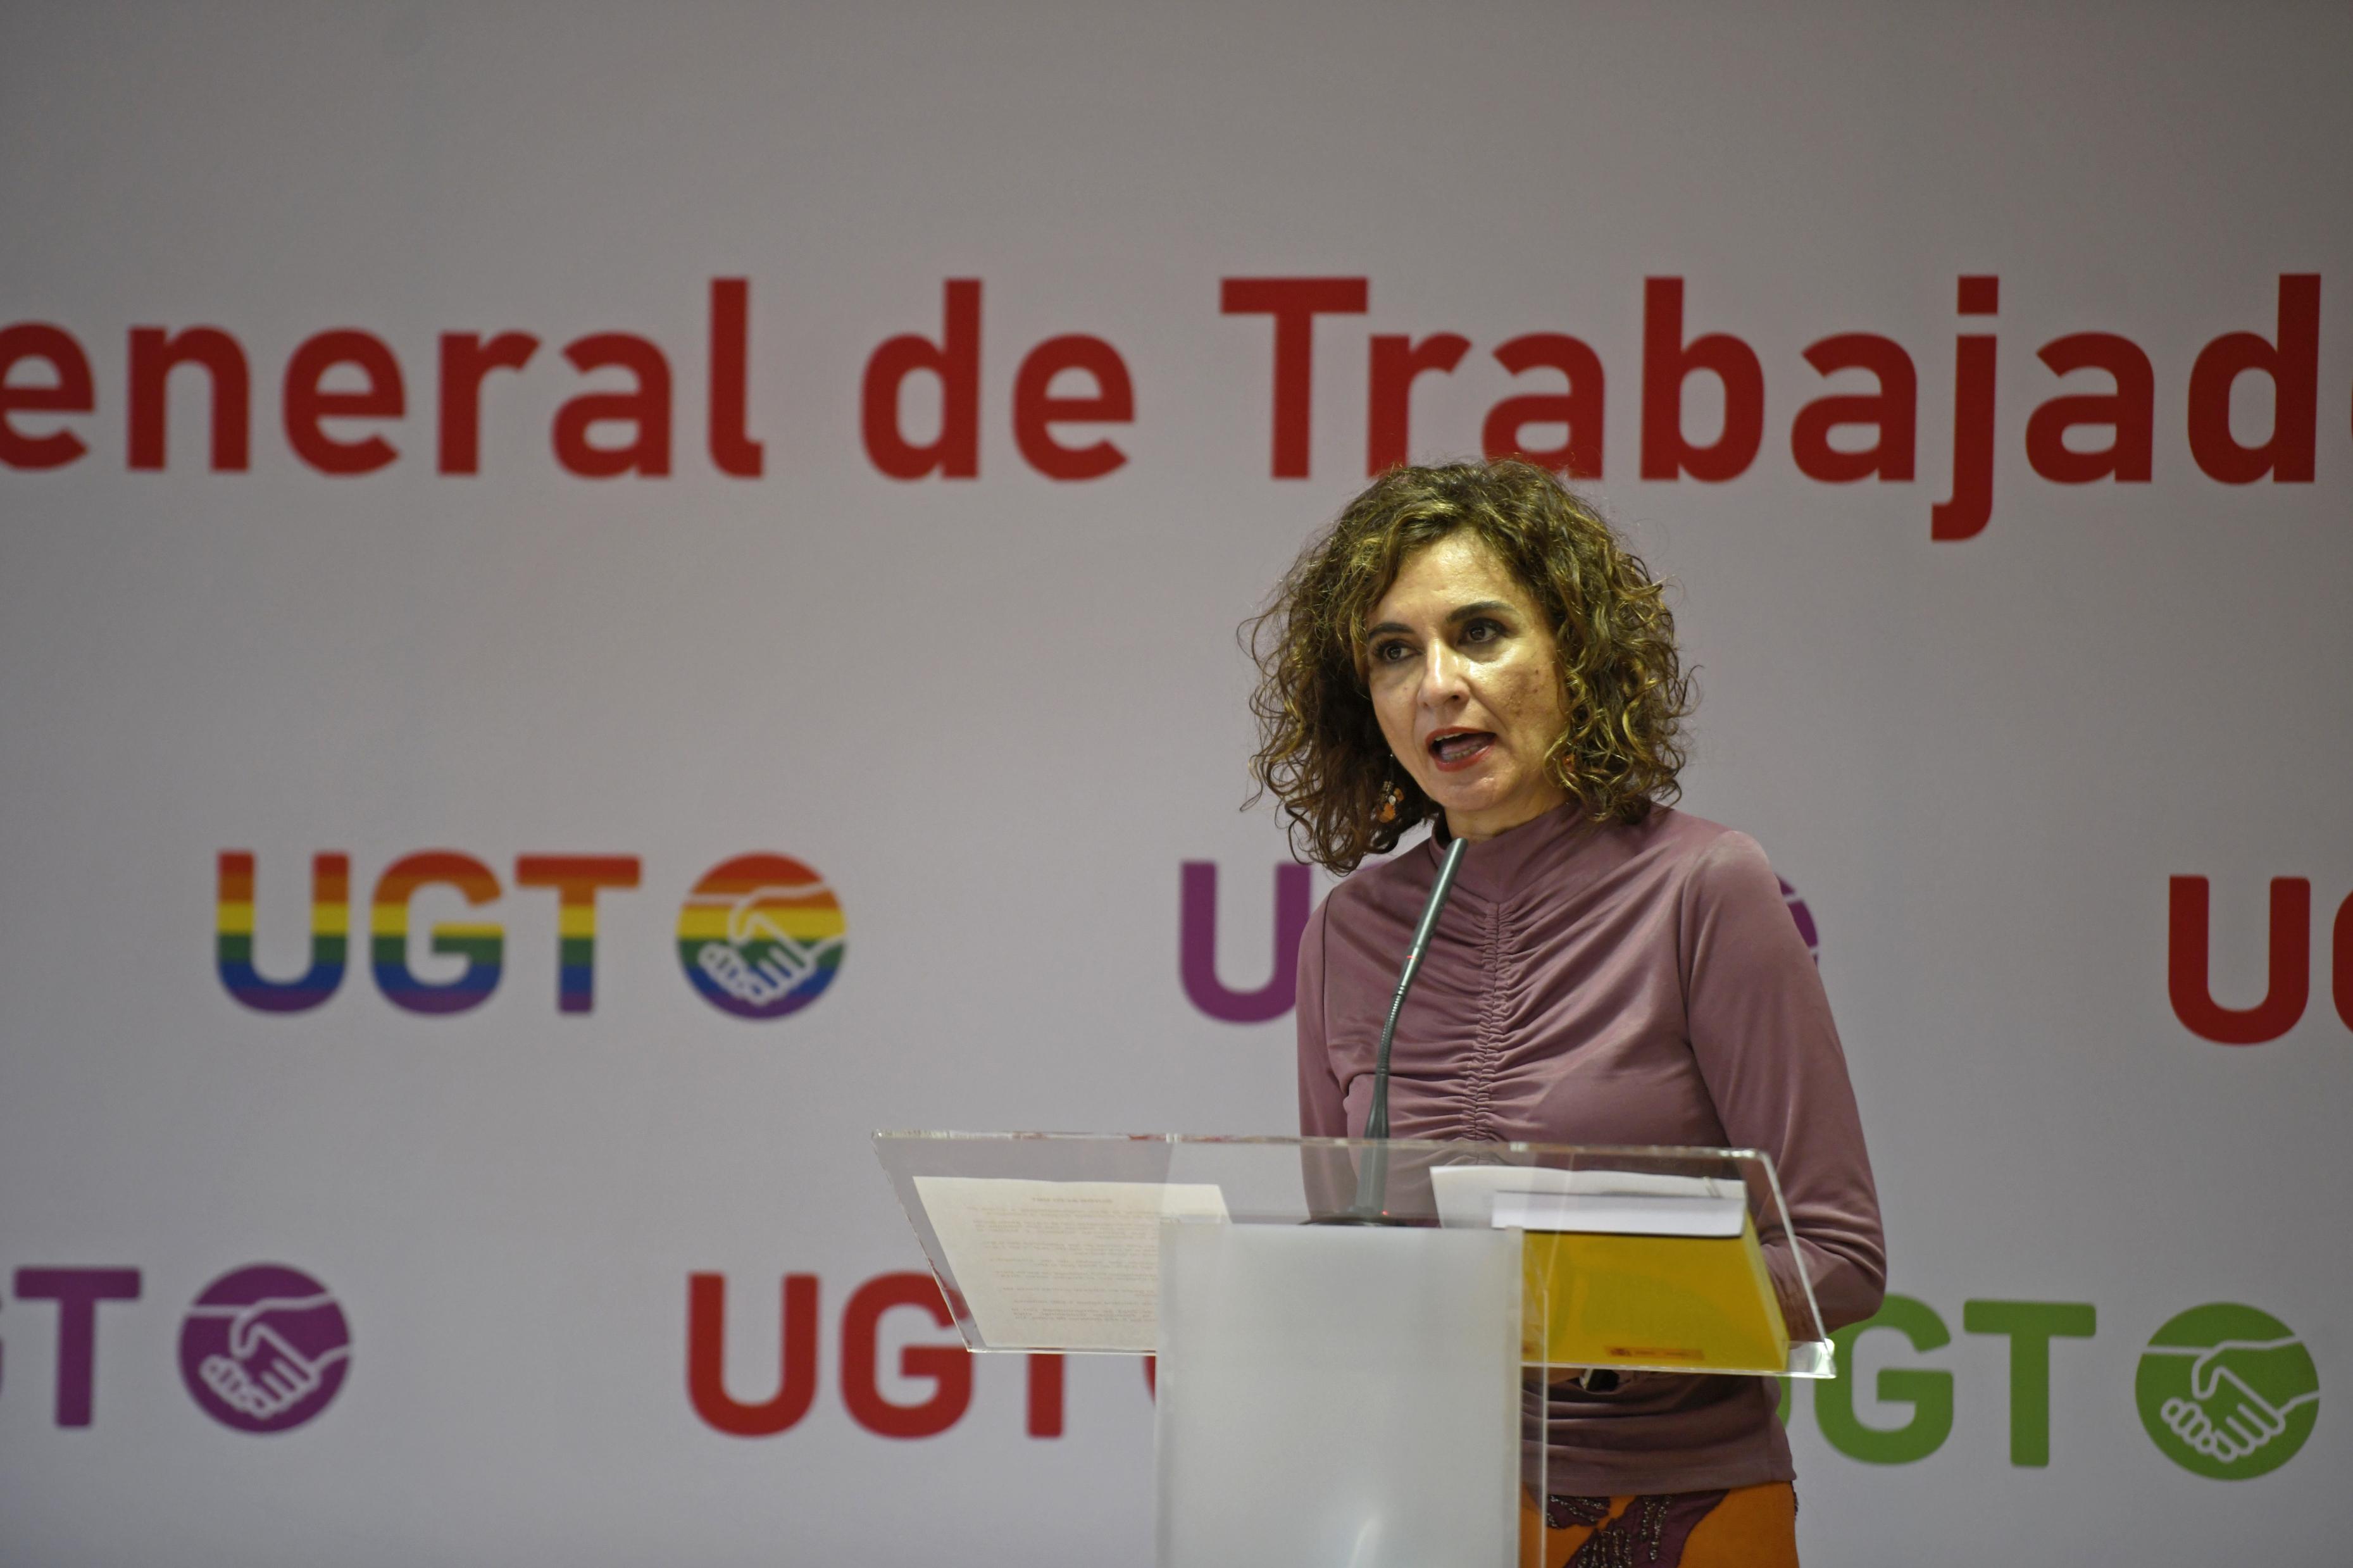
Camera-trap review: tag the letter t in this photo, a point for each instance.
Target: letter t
(1294, 303)
(576, 879)
(77, 1292)
(2031, 1326)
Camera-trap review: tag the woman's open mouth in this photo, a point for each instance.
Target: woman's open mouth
(1454, 748)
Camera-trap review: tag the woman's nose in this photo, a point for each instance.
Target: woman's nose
(1442, 677)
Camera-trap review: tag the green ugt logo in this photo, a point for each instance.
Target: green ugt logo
(2227, 1392)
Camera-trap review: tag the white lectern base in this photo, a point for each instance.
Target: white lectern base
(1338, 1398)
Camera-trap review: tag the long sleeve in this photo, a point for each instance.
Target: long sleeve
(1762, 1034)
(1323, 1110)
(1327, 1176)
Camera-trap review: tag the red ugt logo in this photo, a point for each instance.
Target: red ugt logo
(2289, 983)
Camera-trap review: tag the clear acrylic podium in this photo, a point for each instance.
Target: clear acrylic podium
(1348, 1329)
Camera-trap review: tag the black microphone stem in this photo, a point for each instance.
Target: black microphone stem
(1371, 1176)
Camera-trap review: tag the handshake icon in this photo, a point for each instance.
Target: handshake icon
(760, 963)
(2222, 1417)
(265, 1372)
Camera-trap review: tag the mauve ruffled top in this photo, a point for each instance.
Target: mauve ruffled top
(1609, 984)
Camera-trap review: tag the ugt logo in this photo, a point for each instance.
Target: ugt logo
(2287, 985)
(2227, 1391)
(761, 935)
(263, 1349)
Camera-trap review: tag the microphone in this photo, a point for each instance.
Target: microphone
(1372, 1177)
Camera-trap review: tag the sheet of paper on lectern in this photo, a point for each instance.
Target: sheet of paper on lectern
(1061, 1265)
(1604, 1203)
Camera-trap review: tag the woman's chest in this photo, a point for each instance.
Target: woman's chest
(1554, 1026)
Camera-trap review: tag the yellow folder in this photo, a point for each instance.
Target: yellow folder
(1704, 1303)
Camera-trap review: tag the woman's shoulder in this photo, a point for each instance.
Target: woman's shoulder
(1713, 865)
(1381, 889)
(1694, 860)
(1679, 835)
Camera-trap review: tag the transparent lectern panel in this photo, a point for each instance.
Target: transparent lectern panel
(1635, 1257)
(1337, 1394)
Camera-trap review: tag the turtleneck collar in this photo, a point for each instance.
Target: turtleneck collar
(1492, 865)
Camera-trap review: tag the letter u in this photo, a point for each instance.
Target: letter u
(330, 913)
(2340, 962)
(706, 1358)
(1197, 958)
(2290, 973)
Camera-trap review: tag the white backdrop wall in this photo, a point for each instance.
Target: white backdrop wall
(2000, 759)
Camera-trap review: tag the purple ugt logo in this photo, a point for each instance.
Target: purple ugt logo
(264, 1349)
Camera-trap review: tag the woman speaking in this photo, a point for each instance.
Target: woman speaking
(1471, 646)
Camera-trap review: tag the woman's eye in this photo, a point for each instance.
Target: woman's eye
(1482, 631)
(1389, 653)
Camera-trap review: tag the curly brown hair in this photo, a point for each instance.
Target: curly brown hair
(1321, 752)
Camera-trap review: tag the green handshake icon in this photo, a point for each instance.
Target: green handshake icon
(2227, 1391)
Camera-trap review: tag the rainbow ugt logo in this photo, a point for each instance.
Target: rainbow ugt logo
(761, 936)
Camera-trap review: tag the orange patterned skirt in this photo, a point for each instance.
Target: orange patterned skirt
(1747, 1527)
